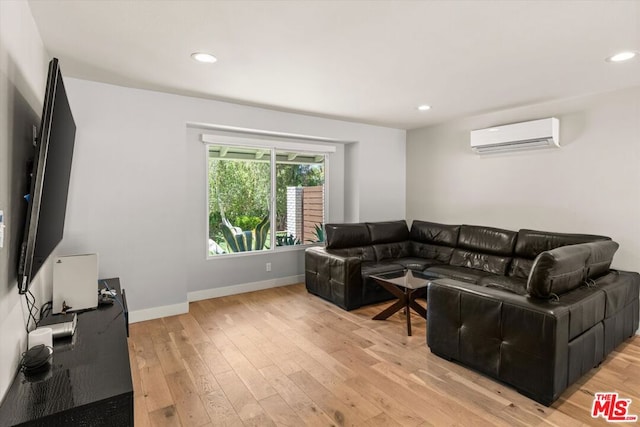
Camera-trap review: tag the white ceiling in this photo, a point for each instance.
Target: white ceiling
(365, 61)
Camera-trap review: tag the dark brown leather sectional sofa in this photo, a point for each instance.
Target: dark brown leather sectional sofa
(534, 309)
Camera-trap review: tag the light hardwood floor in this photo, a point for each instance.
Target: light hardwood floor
(285, 357)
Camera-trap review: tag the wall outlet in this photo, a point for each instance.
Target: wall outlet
(268, 266)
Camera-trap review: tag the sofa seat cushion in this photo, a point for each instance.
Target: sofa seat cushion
(364, 253)
(458, 273)
(510, 284)
(415, 263)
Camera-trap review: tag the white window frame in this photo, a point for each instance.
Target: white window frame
(272, 144)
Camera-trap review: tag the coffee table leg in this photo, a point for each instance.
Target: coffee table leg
(395, 307)
(418, 308)
(406, 300)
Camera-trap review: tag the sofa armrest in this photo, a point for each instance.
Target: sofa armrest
(519, 340)
(333, 277)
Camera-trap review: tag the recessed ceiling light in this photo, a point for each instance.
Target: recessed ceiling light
(494, 129)
(206, 58)
(424, 107)
(622, 56)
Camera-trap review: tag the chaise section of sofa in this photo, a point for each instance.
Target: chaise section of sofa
(576, 312)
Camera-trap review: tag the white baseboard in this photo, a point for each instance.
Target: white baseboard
(245, 287)
(183, 307)
(158, 312)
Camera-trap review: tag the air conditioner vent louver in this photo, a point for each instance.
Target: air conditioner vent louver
(530, 135)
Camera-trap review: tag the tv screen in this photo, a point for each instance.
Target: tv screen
(49, 179)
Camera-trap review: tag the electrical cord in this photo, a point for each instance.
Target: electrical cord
(31, 307)
(45, 309)
(115, 297)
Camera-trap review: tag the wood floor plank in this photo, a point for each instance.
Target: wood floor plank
(172, 324)
(214, 360)
(244, 403)
(187, 402)
(169, 357)
(165, 417)
(297, 400)
(285, 357)
(247, 342)
(280, 412)
(145, 352)
(183, 343)
(248, 373)
(154, 388)
(220, 409)
(193, 329)
(342, 414)
(140, 412)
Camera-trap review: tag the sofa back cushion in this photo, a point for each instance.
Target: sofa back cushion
(530, 243)
(433, 241)
(484, 248)
(520, 267)
(558, 271)
(388, 231)
(487, 240)
(434, 233)
(347, 235)
(600, 258)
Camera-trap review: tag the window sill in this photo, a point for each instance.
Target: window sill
(279, 249)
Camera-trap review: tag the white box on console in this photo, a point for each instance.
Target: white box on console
(75, 283)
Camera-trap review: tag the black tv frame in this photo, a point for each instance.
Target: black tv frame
(44, 225)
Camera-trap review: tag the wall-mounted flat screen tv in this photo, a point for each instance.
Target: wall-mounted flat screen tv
(50, 175)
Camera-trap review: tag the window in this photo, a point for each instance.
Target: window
(261, 198)
(299, 198)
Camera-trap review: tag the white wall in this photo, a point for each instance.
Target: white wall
(590, 185)
(23, 74)
(138, 189)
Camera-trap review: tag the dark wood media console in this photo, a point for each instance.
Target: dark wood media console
(89, 382)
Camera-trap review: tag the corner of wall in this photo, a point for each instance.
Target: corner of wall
(23, 74)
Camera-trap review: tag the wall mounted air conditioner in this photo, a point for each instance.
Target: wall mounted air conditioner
(535, 134)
